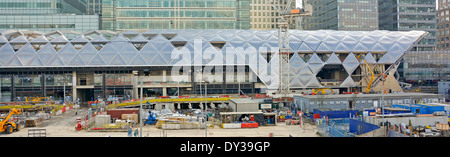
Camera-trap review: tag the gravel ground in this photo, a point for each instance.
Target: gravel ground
(64, 126)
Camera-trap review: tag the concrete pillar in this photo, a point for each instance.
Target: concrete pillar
(136, 86)
(74, 85)
(164, 76)
(164, 91)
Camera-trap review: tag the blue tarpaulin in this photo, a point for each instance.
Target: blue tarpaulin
(358, 127)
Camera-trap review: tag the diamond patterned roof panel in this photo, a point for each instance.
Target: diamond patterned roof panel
(19, 39)
(312, 42)
(350, 63)
(139, 39)
(313, 83)
(119, 38)
(294, 45)
(159, 51)
(35, 61)
(295, 83)
(6, 51)
(14, 61)
(77, 61)
(60, 40)
(360, 47)
(323, 47)
(138, 60)
(305, 75)
(369, 59)
(393, 43)
(377, 47)
(305, 48)
(40, 39)
(67, 53)
(333, 59)
(56, 61)
(387, 58)
(87, 53)
(342, 48)
(315, 59)
(117, 60)
(97, 60)
(348, 82)
(128, 49)
(3, 39)
(100, 39)
(80, 39)
(46, 53)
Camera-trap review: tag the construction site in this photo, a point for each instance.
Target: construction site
(213, 83)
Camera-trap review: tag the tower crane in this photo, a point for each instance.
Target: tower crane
(286, 16)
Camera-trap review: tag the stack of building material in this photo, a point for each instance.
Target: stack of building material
(442, 126)
(117, 113)
(101, 120)
(130, 117)
(33, 122)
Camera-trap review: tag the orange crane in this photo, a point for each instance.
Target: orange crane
(6, 125)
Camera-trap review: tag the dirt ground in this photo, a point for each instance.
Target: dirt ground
(64, 126)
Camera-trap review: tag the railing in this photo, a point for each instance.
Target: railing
(37, 133)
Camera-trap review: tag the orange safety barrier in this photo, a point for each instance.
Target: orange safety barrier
(249, 125)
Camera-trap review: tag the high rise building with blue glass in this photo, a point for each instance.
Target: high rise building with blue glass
(47, 15)
(175, 14)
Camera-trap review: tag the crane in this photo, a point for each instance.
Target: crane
(286, 15)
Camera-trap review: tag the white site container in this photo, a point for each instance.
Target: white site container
(171, 126)
(231, 125)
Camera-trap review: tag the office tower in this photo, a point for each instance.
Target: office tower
(175, 14)
(351, 15)
(443, 19)
(46, 15)
(406, 15)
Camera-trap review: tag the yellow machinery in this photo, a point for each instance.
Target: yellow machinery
(321, 90)
(418, 89)
(7, 126)
(38, 99)
(371, 78)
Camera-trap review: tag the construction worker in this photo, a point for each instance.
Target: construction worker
(136, 133)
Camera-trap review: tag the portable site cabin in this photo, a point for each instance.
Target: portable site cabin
(244, 105)
(261, 118)
(362, 101)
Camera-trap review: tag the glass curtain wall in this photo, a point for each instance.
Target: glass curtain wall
(175, 14)
(18, 86)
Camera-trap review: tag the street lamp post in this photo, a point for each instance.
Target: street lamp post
(146, 72)
(206, 106)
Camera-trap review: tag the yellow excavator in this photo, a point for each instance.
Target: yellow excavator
(8, 127)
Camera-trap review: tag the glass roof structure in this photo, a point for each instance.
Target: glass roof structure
(257, 49)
